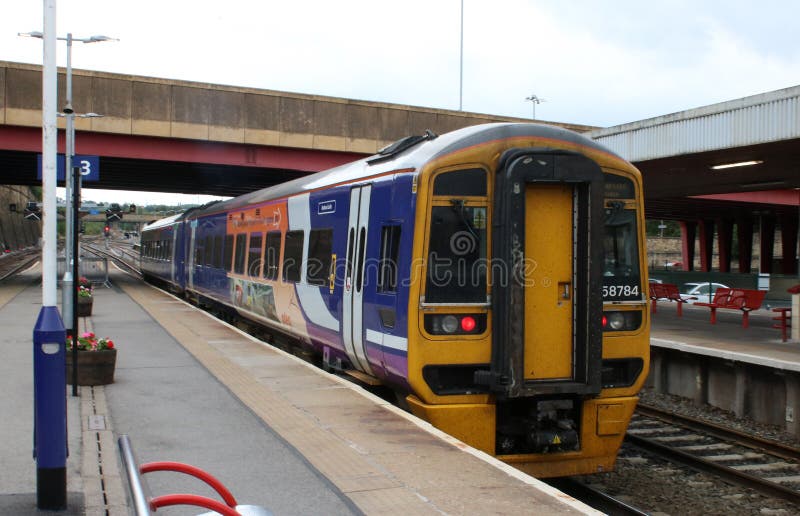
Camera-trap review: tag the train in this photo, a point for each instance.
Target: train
(493, 277)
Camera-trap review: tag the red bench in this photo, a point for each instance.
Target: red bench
(784, 319)
(740, 299)
(669, 292)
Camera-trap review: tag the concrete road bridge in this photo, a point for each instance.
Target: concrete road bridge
(187, 137)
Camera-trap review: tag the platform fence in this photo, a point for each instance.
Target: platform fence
(94, 269)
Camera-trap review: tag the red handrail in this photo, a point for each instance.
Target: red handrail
(190, 499)
(195, 472)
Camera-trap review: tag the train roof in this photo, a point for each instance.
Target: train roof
(411, 156)
(166, 221)
(172, 219)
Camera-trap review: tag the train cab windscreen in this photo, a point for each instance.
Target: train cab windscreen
(457, 254)
(621, 275)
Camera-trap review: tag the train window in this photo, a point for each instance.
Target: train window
(272, 253)
(621, 277)
(228, 257)
(362, 247)
(318, 266)
(351, 242)
(469, 182)
(238, 257)
(387, 267)
(208, 251)
(254, 255)
(293, 256)
(457, 254)
(198, 253)
(217, 257)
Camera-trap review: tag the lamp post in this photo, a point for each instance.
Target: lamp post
(49, 334)
(534, 100)
(461, 67)
(70, 232)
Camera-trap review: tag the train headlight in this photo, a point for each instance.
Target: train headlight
(622, 321)
(455, 324)
(616, 321)
(449, 323)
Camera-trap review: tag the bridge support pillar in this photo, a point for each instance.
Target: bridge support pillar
(766, 243)
(724, 243)
(706, 244)
(744, 232)
(688, 233)
(789, 244)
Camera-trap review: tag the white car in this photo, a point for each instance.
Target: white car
(704, 292)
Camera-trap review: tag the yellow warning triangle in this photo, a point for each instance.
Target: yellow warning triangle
(556, 440)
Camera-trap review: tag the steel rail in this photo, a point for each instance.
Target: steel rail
(111, 256)
(731, 475)
(24, 261)
(729, 434)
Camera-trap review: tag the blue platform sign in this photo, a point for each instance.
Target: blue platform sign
(89, 166)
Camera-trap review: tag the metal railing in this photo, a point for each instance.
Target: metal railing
(144, 504)
(95, 269)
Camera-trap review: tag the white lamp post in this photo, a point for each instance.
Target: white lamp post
(69, 152)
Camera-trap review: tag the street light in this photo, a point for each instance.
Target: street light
(68, 293)
(461, 67)
(533, 99)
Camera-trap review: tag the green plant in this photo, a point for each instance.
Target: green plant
(89, 342)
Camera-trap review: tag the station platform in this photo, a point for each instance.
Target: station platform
(276, 431)
(760, 344)
(750, 372)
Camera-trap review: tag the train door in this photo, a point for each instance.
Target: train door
(190, 255)
(547, 321)
(173, 252)
(353, 308)
(549, 278)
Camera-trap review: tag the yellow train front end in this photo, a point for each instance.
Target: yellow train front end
(532, 331)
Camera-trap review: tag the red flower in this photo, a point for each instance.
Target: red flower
(110, 344)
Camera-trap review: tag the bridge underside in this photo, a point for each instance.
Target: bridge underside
(158, 176)
(151, 164)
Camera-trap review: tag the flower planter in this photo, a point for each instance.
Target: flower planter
(94, 367)
(84, 307)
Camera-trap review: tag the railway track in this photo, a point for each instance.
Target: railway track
(119, 253)
(770, 468)
(12, 263)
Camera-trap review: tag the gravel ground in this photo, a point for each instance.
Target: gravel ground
(660, 487)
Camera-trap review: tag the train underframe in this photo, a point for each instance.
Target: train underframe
(545, 437)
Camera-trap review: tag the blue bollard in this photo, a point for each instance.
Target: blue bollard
(50, 410)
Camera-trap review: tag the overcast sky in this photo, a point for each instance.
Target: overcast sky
(601, 62)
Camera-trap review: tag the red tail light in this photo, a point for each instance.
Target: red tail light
(468, 323)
